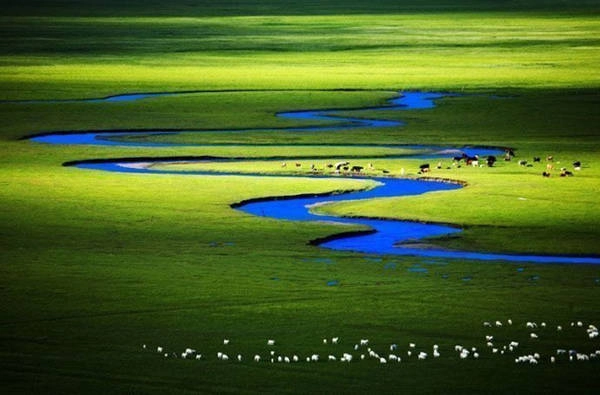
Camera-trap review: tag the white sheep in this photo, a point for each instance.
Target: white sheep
(498, 323)
(489, 338)
(382, 360)
(436, 353)
(475, 355)
(239, 358)
(559, 328)
(295, 358)
(270, 342)
(286, 360)
(509, 321)
(159, 349)
(198, 357)
(257, 358)
(422, 355)
(533, 335)
(225, 341)
(364, 342)
(314, 358)
(335, 340)
(224, 357)
(331, 358)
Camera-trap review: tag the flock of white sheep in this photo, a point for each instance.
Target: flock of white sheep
(392, 354)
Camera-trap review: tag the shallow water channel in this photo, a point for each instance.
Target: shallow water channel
(387, 236)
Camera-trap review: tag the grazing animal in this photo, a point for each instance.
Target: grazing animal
(566, 173)
(257, 358)
(577, 165)
(329, 165)
(226, 341)
(491, 160)
(270, 342)
(335, 340)
(425, 168)
(549, 158)
(537, 159)
(522, 163)
(533, 335)
(339, 165)
(546, 174)
(356, 169)
(472, 160)
(159, 349)
(364, 342)
(284, 164)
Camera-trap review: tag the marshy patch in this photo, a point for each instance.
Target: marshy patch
(418, 269)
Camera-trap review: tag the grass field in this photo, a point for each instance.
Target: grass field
(94, 265)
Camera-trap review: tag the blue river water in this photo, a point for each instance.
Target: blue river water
(388, 236)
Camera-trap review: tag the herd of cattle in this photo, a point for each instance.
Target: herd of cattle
(457, 162)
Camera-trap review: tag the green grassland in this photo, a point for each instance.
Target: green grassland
(93, 265)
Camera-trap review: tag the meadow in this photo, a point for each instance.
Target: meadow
(94, 265)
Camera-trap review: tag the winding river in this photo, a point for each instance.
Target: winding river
(386, 237)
